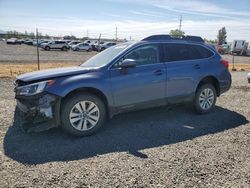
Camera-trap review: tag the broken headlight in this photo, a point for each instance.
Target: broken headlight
(33, 89)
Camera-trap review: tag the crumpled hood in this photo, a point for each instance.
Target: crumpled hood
(53, 73)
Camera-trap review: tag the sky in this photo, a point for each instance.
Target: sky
(134, 19)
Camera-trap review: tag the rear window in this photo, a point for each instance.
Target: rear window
(182, 52)
(200, 52)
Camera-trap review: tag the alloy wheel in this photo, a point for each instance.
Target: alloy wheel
(206, 98)
(84, 115)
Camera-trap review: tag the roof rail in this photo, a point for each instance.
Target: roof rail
(169, 37)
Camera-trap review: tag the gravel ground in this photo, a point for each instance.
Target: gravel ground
(161, 147)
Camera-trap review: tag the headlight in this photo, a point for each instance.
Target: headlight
(33, 89)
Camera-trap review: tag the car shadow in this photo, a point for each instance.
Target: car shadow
(130, 132)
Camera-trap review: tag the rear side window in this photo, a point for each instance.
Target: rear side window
(182, 52)
(199, 52)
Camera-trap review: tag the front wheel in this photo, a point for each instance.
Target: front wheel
(205, 98)
(47, 48)
(83, 114)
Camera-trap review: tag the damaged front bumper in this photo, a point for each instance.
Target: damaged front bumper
(40, 112)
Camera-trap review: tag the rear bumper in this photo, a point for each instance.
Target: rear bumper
(225, 81)
(39, 113)
(225, 85)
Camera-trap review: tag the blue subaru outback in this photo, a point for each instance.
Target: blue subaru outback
(158, 70)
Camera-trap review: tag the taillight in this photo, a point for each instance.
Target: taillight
(225, 63)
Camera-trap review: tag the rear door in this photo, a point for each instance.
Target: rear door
(142, 85)
(185, 66)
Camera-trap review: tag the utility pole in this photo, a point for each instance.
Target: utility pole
(37, 50)
(116, 33)
(180, 23)
(87, 34)
(99, 40)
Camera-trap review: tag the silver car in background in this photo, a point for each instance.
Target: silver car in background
(82, 46)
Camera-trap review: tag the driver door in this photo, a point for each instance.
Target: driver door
(143, 85)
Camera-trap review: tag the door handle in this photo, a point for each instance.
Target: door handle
(159, 72)
(197, 66)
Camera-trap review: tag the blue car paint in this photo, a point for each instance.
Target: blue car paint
(153, 84)
(140, 84)
(96, 79)
(52, 73)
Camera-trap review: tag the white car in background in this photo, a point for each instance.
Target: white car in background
(13, 41)
(82, 46)
(106, 45)
(73, 43)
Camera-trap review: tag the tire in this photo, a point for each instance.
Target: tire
(47, 48)
(89, 50)
(205, 99)
(64, 48)
(77, 124)
(76, 49)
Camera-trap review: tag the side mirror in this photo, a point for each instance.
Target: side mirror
(128, 63)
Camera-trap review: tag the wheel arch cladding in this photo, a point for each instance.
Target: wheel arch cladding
(89, 90)
(210, 80)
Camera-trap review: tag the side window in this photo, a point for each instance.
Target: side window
(182, 52)
(176, 52)
(199, 52)
(144, 55)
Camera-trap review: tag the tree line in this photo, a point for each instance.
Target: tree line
(30, 35)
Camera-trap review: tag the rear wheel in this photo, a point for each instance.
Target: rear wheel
(83, 114)
(205, 98)
(64, 48)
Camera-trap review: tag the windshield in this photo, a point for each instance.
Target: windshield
(105, 56)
